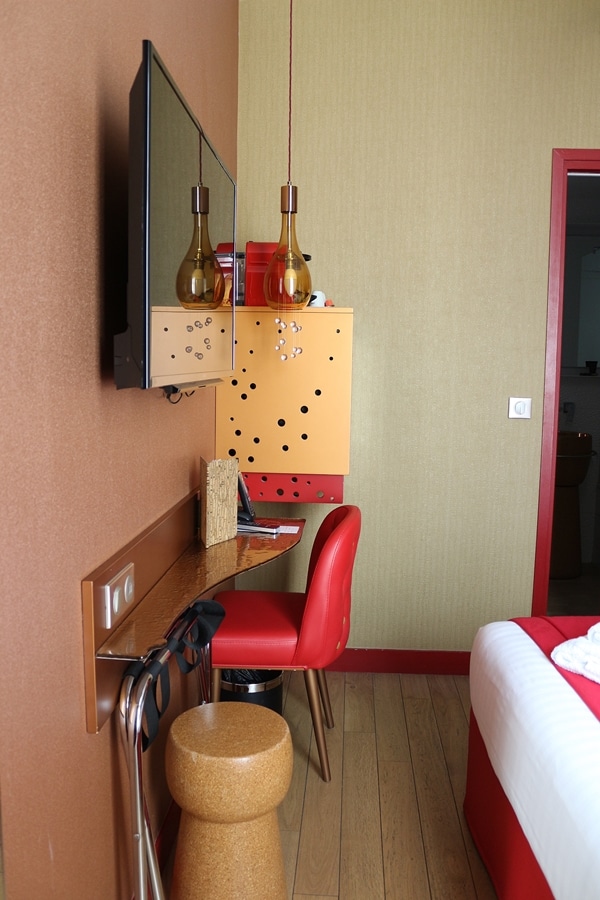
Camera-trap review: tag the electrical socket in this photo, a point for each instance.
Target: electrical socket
(118, 595)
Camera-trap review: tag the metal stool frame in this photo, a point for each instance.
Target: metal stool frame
(136, 686)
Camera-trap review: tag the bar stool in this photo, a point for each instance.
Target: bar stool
(228, 767)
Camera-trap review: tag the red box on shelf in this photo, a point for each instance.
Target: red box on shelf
(258, 257)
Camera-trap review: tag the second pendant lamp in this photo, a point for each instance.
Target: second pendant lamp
(287, 283)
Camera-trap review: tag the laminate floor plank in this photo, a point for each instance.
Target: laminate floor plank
(447, 865)
(404, 866)
(389, 825)
(289, 847)
(318, 865)
(454, 734)
(462, 686)
(453, 729)
(361, 861)
(359, 711)
(315, 897)
(297, 715)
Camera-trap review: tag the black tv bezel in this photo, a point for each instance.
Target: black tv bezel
(132, 362)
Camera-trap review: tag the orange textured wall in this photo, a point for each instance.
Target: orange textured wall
(84, 468)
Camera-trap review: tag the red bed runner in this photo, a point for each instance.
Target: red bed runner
(548, 632)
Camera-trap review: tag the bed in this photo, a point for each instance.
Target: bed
(532, 798)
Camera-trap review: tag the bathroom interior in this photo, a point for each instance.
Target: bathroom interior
(577, 588)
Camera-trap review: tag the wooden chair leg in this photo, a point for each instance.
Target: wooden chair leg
(324, 691)
(215, 685)
(314, 701)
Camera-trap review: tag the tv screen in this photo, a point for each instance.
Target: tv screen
(165, 344)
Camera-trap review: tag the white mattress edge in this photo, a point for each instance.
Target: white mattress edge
(544, 746)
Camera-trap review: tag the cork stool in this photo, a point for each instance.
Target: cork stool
(228, 767)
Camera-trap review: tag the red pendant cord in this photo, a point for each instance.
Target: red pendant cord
(290, 100)
(200, 134)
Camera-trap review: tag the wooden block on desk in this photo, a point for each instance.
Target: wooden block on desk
(218, 503)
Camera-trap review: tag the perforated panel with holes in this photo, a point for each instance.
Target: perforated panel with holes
(289, 416)
(294, 488)
(188, 343)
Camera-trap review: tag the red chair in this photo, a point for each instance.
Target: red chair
(285, 630)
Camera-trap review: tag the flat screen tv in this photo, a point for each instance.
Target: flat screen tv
(166, 345)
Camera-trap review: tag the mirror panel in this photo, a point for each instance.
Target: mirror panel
(166, 344)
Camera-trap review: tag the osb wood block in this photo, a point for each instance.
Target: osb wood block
(218, 500)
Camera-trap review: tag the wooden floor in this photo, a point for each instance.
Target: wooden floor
(390, 823)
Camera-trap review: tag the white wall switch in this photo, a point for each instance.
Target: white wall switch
(519, 407)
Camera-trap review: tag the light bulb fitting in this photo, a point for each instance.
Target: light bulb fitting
(200, 283)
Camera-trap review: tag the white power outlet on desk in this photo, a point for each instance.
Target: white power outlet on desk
(118, 595)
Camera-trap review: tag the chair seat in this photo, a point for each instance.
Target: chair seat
(286, 630)
(260, 630)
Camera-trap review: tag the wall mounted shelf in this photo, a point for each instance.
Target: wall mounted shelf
(172, 570)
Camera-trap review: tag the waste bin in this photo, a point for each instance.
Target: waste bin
(263, 687)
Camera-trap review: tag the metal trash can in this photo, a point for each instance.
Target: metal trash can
(263, 687)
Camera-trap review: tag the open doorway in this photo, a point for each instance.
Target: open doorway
(564, 163)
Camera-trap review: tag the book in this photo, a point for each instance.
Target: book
(264, 526)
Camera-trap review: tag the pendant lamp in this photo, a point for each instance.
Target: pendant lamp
(287, 283)
(200, 283)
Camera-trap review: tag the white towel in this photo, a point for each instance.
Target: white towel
(580, 655)
(594, 633)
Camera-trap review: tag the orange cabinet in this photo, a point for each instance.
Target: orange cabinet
(288, 417)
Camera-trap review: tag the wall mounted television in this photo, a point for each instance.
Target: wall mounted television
(165, 345)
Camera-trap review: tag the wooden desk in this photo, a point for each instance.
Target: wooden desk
(195, 574)
(172, 569)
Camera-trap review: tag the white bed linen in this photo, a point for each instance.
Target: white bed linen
(544, 746)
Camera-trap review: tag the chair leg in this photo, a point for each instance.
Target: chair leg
(314, 701)
(324, 691)
(215, 685)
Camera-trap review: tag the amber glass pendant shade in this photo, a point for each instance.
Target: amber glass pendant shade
(200, 282)
(287, 283)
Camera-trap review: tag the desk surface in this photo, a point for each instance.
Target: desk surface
(196, 573)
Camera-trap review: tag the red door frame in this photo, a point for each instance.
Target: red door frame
(563, 162)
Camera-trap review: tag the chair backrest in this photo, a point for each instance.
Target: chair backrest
(326, 621)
